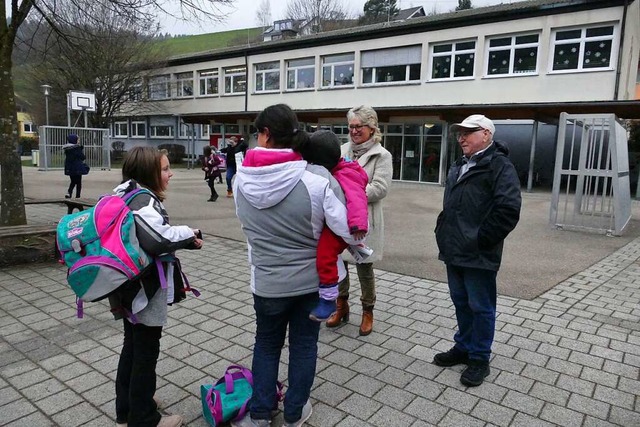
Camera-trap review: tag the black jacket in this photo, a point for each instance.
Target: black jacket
(231, 151)
(479, 211)
(73, 159)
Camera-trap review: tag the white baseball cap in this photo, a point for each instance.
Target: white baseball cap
(475, 121)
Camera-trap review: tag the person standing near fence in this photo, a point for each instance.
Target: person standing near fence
(481, 207)
(74, 165)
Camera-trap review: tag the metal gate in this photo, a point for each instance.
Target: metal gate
(591, 179)
(95, 143)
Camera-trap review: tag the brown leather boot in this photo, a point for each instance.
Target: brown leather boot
(342, 313)
(367, 321)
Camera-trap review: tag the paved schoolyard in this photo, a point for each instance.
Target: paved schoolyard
(570, 357)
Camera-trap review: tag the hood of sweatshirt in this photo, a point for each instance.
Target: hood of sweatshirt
(268, 175)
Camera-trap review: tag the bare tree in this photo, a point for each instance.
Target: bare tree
(12, 211)
(320, 11)
(263, 14)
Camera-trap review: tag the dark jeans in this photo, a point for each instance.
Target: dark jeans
(231, 171)
(273, 315)
(473, 292)
(76, 181)
(136, 377)
(211, 183)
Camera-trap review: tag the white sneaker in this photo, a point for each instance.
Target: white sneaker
(307, 410)
(170, 421)
(247, 421)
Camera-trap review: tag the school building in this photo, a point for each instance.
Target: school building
(521, 64)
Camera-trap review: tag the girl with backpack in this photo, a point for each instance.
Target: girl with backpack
(148, 168)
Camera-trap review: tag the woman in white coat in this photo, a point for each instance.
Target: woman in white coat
(365, 147)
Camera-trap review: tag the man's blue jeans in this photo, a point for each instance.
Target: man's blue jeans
(231, 171)
(273, 315)
(473, 292)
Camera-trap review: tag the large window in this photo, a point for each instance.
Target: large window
(337, 70)
(120, 129)
(267, 76)
(391, 65)
(513, 55)
(138, 129)
(184, 85)
(235, 80)
(208, 80)
(583, 48)
(186, 130)
(301, 73)
(205, 131)
(135, 91)
(453, 60)
(161, 131)
(159, 87)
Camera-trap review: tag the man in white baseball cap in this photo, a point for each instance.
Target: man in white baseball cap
(481, 207)
(475, 121)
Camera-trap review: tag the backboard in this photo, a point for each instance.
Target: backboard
(82, 101)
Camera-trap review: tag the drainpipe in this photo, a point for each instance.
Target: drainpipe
(622, 29)
(246, 90)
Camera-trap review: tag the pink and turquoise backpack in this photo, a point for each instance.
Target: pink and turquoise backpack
(101, 249)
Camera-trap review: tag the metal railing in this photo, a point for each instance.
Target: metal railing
(591, 180)
(95, 142)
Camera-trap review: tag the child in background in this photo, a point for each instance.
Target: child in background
(146, 167)
(210, 166)
(324, 150)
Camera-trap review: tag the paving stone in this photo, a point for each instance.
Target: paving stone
(427, 411)
(458, 419)
(458, 399)
(360, 406)
(561, 416)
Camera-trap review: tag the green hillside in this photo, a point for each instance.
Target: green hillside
(181, 45)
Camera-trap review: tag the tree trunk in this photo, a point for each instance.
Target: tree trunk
(12, 210)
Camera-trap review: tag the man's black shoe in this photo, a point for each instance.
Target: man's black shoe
(476, 372)
(451, 358)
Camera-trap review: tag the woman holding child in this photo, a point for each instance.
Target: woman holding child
(283, 203)
(365, 148)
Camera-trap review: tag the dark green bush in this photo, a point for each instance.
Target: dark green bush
(176, 152)
(27, 145)
(117, 151)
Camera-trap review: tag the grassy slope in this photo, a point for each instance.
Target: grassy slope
(182, 45)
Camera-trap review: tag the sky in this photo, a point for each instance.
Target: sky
(243, 14)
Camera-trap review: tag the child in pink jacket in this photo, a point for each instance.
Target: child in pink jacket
(324, 150)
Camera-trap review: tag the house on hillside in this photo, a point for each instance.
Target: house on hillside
(414, 12)
(522, 63)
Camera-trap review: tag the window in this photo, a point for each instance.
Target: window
(186, 130)
(268, 76)
(453, 60)
(513, 55)
(391, 65)
(583, 48)
(337, 70)
(301, 73)
(159, 87)
(138, 129)
(161, 131)
(205, 131)
(235, 80)
(120, 129)
(27, 127)
(135, 91)
(208, 82)
(184, 84)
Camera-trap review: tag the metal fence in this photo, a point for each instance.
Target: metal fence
(591, 180)
(95, 143)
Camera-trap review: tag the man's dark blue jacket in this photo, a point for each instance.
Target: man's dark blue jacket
(479, 211)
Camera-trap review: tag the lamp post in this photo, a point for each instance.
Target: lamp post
(47, 91)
